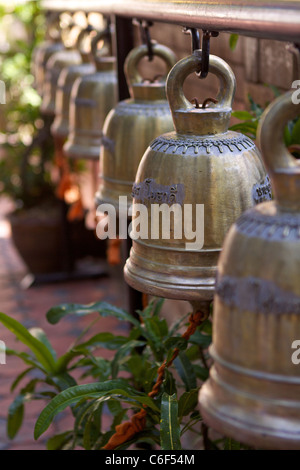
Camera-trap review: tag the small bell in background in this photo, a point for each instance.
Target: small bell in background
(54, 66)
(130, 127)
(92, 97)
(42, 53)
(253, 393)
(67, 77)
(201, 163)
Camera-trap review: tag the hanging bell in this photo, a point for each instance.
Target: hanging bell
(200, 166)
(40, 58)
(54, 66)
(92, 97)
(42, 53)
(67, 77)
(253, 393)
(130, 127)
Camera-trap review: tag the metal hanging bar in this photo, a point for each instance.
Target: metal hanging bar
(279, 19)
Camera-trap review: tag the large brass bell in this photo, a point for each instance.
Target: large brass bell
(67, 77)
(92, 97)
(130, 127)
(200, 163)
(54, 66)
(253, 393)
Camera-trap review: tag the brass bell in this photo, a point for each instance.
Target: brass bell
(92, 97)
(253, 393)
(201, 163)
(130, 127)
(54, 66)
(42, 53)
(66, 79)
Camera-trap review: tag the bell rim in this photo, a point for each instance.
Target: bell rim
(248, 432)
(177, 291)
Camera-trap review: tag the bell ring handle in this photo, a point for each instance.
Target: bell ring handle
(84, 32)
(190, 64)
(103, 34)
(283, 167)
(134, 57)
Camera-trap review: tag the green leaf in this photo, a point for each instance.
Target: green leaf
(63, 381)
(185, 369)
(169, 426)
(242, 115)
(15, 415)
(200, 339)
(230, 444)
(169, 383)
(295, 137)
(75, 394)
(201, 372)
(40, 351)
(233, 39)
(158, 304)
(59, 441)
(187, 402)
(104, 340)
(20, 377)
(27, 359)
(39, 334)
(104, 309)
(122, 351)
(176, 342)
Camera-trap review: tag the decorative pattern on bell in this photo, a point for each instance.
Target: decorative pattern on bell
(92, 97)
(201, 163)
(253, 393)
(54, 66)
(130, 127)
(66, 79)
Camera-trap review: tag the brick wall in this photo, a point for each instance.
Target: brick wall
(255, 63)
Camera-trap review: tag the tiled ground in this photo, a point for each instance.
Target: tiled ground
(30, 306)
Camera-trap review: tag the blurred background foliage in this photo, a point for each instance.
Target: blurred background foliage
(23, 27)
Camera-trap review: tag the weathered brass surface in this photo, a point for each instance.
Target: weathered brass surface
(66, 79)
(54, 66)
(253, 393)
(92, 97)
(130, 127)
(200, 163)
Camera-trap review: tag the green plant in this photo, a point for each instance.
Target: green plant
(25, 159)
(138, 355)
(249, 121)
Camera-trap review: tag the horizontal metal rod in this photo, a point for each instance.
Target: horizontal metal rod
(279, 19)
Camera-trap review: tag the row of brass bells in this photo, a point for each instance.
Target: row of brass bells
(67, 77)
(200, 163)
(130, 127)
(253, 393)
(92, 97)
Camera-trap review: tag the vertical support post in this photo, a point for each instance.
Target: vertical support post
(124, 42)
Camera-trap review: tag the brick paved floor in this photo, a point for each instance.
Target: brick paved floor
(29, 307)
